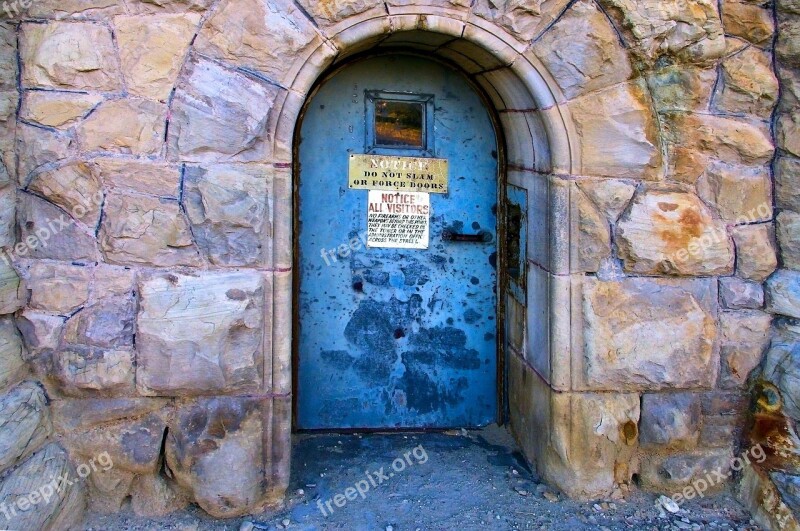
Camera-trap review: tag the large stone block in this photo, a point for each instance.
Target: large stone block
(152, 49)
(611, 196)
(75, 188)
(13, 294)
(67, 9)
(47, 232)
(749, 84)
(669, 30)
(738, 294)
(12, 364)
(582, 51)
(594, 237)
(8, 56)
(57, 288)
(741, 194)
(788, 228)
(269, 37)
(756, 255)
(747, 19)
(87, 371)
(781, 368)
(40, 331)
(670, 420)
(682, 87)
(219, 115)
(83, 414)
(745, 339)
(783, 293)
(673, 233)
(138, 229)
(145, 177)
(57, 109)
(130, 126)
(231, 453)
(202, 334)
(618, 132)
(42, 470)
(674, 473)
(39, 148)
(329, 13)
(24, 423)
(694, 141)
(231, 212)
(649, 334)
(524, 20)
(787, 47)
(74, 55)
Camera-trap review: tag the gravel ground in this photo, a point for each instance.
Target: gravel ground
(452, 480)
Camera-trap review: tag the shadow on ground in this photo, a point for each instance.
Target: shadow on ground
(454, 480)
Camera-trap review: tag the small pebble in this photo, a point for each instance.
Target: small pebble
(285, 522)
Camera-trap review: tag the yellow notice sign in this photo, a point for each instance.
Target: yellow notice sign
(403, 174)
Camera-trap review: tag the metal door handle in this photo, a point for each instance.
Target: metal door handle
(481, 237)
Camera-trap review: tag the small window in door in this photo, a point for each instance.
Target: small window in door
(399, 121)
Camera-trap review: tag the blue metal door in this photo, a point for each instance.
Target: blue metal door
(396, 338)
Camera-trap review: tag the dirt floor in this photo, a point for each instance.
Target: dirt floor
(425, 481)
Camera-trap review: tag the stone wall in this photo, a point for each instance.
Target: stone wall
(147, 150)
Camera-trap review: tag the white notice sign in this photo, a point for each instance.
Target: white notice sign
(398, 219)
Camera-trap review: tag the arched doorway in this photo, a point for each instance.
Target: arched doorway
(397, 250)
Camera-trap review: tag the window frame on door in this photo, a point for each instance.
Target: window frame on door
(371, 97)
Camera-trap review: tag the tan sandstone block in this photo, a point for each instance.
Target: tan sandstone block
(741, 194)
(682, 87)
(748, 84)
(673, 233)
(756, 255)
(57, 109)
(152, 49)
(618, 132)
(747, 19)
(788, 228)
(524, 20)
(76, 55)
(130, 126)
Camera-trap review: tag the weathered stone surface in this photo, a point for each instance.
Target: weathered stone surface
(611, 196)
(108, 323)
(70, 415)
(108, 490)
(219, 115)
(745, 338)
(76, 55)
(217, 451)
(787, 48)
(683, 32)
(665, 232)
(788, 228)
(75, 188)
(618, 132)
(524, 20)
(670, 419)
(787, 131)
(144, 177)
(65, 510)
(67, 9)
(84, 371)
(582, 51)
(741, 194)
(696, 140)
(8, 216)
(58, 288)
(749, 85)
(682, 87)
(57, 109)
(152, 49)
(789, 487)
(132, 445)
(41, 331)
(230, 212)
(130, 126)
(674, 472)
(329, 13)
(783, 293)
(8, 56)
(747, 19)
(738, 294)
(152, 495)
(649, 334)
(756, 256)
(200, 334)
(168, 6)
(594, 236)
(47, 232)
(12, 365)
(263, 35)
(12, 292)
(146, 230)
(37, 147)
(24, 423)
(787, 183)
(781, 368)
